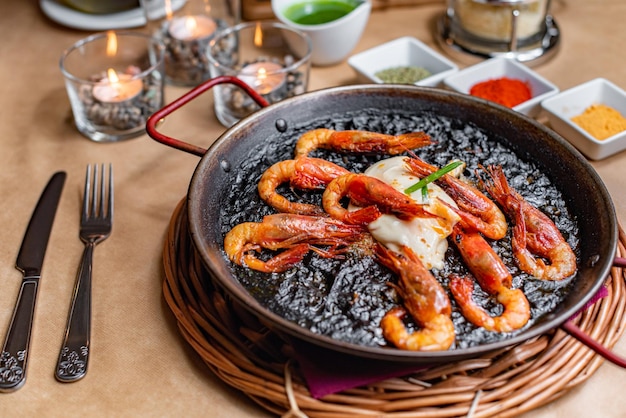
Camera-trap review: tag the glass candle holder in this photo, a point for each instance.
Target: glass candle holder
(114, 81)
(186, 27)
(270, 57)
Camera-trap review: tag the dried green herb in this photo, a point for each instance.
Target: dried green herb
(403, 75)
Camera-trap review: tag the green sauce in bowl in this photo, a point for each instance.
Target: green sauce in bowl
(317, 12)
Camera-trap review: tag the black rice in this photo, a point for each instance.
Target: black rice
(345, 299)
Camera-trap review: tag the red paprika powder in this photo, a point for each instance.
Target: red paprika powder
(506, 91)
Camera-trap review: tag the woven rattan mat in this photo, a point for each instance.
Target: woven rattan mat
(249, 357)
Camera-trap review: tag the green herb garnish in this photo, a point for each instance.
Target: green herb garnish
(432, 177)
(425, 195)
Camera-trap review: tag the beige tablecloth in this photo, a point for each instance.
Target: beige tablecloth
(140, 365)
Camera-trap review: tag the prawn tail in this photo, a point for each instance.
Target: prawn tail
(436, 335)
(412, 140)
(363, 216)
(279, 263)
(462, 289)
(515, 314)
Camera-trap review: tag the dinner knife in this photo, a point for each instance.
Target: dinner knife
(29, 261)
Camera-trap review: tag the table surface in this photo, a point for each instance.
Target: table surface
(140, 365)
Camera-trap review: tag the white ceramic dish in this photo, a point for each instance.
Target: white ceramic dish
(332, 41)
(71, 18)
(493, 68)
(402, 52)
(569, 103)
(75, 19)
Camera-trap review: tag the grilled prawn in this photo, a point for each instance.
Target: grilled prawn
(476, 209)
(423, 298)
(295, 234)
(535, 236)
(360, 142)
(303, 173)
(374, 196)
(494, 278)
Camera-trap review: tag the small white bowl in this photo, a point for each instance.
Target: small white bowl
(498, 67)
(562, 107)
(332, 41)
(402, 52)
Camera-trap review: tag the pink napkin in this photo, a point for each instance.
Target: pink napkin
(327, 371)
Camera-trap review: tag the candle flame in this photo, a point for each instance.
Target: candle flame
(112, 76)
(169, 11)
(117, 87)
(191, 24)
(111, 44)
(207, 7)
(258, 35)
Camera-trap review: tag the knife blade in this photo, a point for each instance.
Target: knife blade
(29, 261)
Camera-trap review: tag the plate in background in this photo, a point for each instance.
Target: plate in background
(72, 18)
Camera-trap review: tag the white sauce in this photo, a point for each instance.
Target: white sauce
(425, 236)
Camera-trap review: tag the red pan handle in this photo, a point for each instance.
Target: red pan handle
(577, 333)
(159, 115)
(619, 262)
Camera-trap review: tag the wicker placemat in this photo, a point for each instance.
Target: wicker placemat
(249, 357)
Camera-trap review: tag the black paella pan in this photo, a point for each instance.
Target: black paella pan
(269, 130)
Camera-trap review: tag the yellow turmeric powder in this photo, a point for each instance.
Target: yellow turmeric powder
(601, 121)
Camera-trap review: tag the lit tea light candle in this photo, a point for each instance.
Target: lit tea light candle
(117, 88)
(188, 28)
(263, 76)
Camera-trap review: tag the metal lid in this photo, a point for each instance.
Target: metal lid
(505, 2)
(533, 51)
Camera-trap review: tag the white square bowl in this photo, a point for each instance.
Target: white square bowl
(402, 52)
(569, 103)
(498, 67)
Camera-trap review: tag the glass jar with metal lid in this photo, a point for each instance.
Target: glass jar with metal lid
(521, 29)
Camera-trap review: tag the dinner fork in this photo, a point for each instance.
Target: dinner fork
(95, 226)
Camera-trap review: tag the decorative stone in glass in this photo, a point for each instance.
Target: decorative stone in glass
(186, 28)
(114, 81)
(270, 57)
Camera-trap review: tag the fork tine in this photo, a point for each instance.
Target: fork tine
(96, 192)
(109, 208)
(86, 194)
(98, 196)
(94, 197)
(99, 207)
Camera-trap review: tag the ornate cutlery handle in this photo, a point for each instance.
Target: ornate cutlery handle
(74, 355)
(15, 350)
